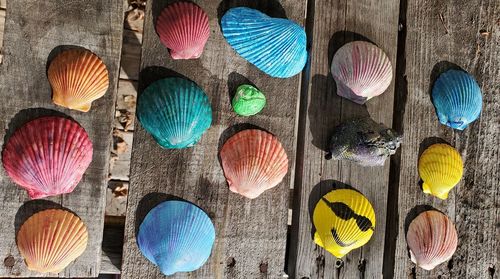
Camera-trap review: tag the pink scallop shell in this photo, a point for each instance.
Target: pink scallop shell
(253, 161)
(361, 71)
(183, 28)
(47, 156)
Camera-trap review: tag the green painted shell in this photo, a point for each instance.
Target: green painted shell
(248, 100)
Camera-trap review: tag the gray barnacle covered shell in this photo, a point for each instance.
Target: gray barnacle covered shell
(364, 142)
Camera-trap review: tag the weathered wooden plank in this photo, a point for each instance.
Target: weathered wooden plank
(2, 27)
(3, 4)
(120, 157)
(126, 100)
(466, 33)
(251, 234)
(112, 247)
(131, 55)
(331, 24)
(33, 30)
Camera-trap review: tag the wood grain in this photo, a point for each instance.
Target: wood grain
(3, 4)
(33, 30)
(251, 234)
(332, 24)
(131, 55)
(443, 35)
(2, 27)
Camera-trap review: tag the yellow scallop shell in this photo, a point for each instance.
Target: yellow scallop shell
(77, 77)
(344, 220)
(441, 168)
(51, 239)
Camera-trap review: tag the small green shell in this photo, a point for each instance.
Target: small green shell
(248, 100)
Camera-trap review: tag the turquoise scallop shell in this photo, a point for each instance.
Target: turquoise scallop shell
(276, 46)
(177, 236)
(457, 99)
(175, 111)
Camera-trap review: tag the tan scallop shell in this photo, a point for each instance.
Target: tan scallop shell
(432, 239)
(77, 77)
(51, 239)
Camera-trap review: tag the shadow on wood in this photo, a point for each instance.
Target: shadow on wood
(272, 8)
(234, 80)
(26, 115)
(323, 110)
(154, 73)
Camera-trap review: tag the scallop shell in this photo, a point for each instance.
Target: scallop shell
(176, 236)
(441, 168)
(183, 28)
(47, 156)
(175, 111)
(363, 141)
(77, 77)
(361, 71)
(276, 46)
(457, 99)
(253, 161)
(51, 239)
(344, 220)
(432, 239)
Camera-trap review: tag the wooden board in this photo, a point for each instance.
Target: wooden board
(440, 33)
(131, 55)
(2, 27)
(251, 234)
(331, 24)
(3, 4)
(33, 30)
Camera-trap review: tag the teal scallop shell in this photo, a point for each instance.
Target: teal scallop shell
(457, 99)
(175, 111)
(276, 46)
(177, 236)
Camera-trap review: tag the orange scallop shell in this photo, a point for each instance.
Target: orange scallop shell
(51, 239)
(253, 161)
(77, 77)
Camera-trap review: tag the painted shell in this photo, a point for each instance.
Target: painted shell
(51, 239)
(276, 46)
(77, 77)
(361, 71)
(432, 239)
(183, 28)
(457, 99)
(363, 141)
(248, 100)
(176, 236)
(175, 111)
(253, 161)
(441, 168)
(47, 156)
(344, 220)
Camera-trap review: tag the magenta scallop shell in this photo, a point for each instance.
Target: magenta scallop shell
(361, 71)
(183, 28)
(47, 156)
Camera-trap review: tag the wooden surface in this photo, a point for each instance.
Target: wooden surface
(251, 234)
(331, 24)
(466, 33)
(3, 4)
(33, 30)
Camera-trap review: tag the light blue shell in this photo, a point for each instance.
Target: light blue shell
(175, 111)
(177, 236)
(276, 46)
(457, 99)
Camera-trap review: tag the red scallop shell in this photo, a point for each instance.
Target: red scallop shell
(253, 161)
(183, 28)
(47, 156)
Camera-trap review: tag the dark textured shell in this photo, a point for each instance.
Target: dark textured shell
(363, 141)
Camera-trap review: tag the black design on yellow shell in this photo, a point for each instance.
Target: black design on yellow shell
(344, 212)
(340, 242)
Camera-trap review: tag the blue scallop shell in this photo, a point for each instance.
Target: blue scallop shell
(175, 111)
(457, 99)
(177, 236)
(276, 46)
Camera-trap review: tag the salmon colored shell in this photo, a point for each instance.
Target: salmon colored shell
(47, 156)
(77, 77)
(51, 239)
(183, 28)
(253, 161)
